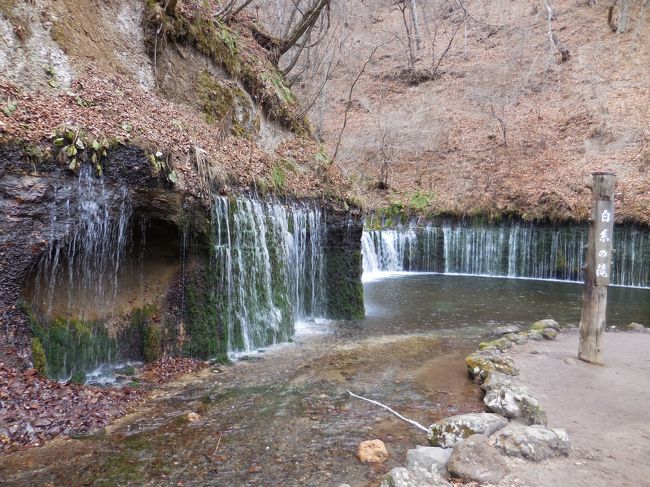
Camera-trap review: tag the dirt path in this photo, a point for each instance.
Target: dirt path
(605, 409)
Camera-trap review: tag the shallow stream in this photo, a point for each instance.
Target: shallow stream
(283, 417)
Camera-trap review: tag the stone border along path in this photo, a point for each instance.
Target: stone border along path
(476, 447)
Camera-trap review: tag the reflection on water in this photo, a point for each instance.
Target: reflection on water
(420, 302)
(283, 417)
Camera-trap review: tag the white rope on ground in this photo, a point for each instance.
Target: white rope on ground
(376, 403)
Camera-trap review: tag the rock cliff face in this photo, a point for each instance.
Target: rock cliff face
(344, 266)
(117, 132)
(41, 208)
(120, 265)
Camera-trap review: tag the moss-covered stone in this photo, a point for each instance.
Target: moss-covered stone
(501, 344)
(204, 324)
(541, 325)
(224, 101)
(447, 432)
(549, 334)
(480, 364)
(38, 354)
(151, 343)
(233, 50)
(73, 347)
(344, 287)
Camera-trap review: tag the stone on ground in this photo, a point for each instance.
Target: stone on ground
(372, 451)
(549, 333)
(507, 397)
(479, 364)
(447, 432)
(535, 335)
(429, 458)
(637, 327)
(543, 324)
(475, 459)
(535, 442)
(517, 338)
(418, 477)
(505, 330)
(192, 417)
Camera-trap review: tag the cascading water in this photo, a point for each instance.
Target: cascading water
(86, 262)
(503, 250)
(269, 259)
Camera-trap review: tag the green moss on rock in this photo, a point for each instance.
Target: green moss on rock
(206, 333)
(480, 364)
(73, 347)
(38, 354)
(344, 287)
(236, 51)
(501, 344)
(224, 100)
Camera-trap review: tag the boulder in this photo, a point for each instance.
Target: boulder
(505, 330)
(449, 431)
(418, 477)
(429, 458)
(475, 459)
(534, 442)
(534, 335)
(479, 364)
(549, 333)
(637, 327)
(517, 338)
(192, 417)
(501, 344)
(507, 397)
(543, 324)
(372, 451)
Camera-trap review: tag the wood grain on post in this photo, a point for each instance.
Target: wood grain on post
(598, 268)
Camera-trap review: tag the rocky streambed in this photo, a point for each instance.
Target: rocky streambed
(495, 447)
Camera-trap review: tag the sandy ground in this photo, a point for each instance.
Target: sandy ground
(605, 409)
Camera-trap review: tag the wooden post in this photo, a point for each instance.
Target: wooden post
(598, 267)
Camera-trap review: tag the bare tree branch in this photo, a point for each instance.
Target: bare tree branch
(347, 106)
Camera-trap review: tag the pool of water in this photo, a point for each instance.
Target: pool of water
(283, 416)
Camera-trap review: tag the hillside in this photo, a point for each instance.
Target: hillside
(203, 95)
(441, 136)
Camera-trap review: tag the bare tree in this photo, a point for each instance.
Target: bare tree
(552, 36)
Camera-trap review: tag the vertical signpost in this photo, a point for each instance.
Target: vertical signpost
(598, 267)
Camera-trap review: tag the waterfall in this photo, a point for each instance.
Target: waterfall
(409, 248)
(86, 261)
(269, 259)
(508, 249)
(76, 280)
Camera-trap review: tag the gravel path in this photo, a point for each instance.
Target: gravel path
(605, 409)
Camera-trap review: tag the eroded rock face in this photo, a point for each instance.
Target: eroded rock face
(372, 451)
(534, 442)
(507, 397)
(404, 477)
(447, 432)
(38, 206)
(429, 458)
(475, 459)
